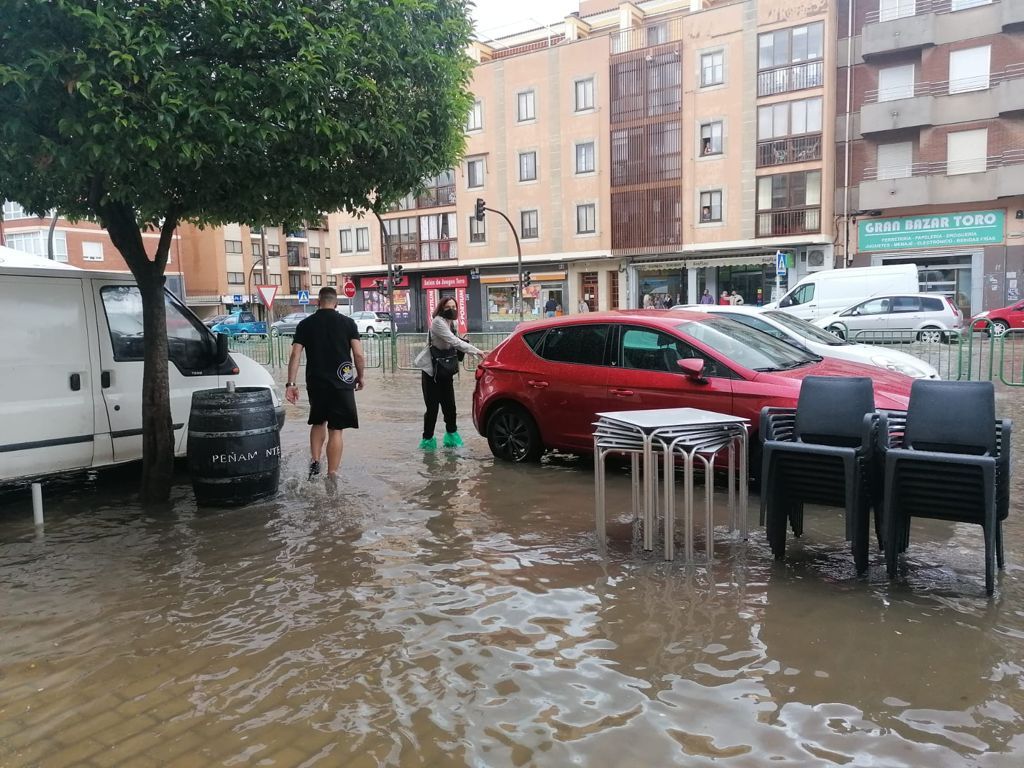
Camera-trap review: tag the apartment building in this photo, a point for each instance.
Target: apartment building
(933, 171)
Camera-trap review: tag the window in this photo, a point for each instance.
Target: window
(711, 206)
(896, 9)
(585, 94)
(363, 239)
(872, 307)
(257, 250)
(896, 83)
(711, 139)
(188, 342)
(527, 166)
(273, 251)
(327, 253)
(896, 160)
(789, 118)
(275, 279)
(657, 34)
(585, 157)
(236, 278)
(295, 283)
(437, 234)
(969, 69)
(314, 253)
(962, 5)
(232, 246)
(650, 153)
(790, 46)
(439, 190)
(712, 69)
(316, 280)
(37, 243)
(586, 219)
(475, 173)
(529, 228)
(477, 230)
(332, 279)
(92, 251)
(526, 106)
(664, 84)
(579, 344)
(801, 295)
(13, 210)
(789, 190)
(906, 304)
(475, 121)
(966, 152)
(644, 349)
(346, 241)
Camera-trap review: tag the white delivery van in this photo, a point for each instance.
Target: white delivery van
(71, 351)
(822, 293)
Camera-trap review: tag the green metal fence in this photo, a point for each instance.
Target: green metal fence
(274, 351)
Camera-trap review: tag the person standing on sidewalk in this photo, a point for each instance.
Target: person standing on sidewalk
(334, 373)
(438, 387)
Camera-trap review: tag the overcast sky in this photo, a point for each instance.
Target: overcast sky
(495, 18)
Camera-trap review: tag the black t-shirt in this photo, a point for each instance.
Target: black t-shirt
(327, 337)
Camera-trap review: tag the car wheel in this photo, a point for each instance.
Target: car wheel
(930, 336)
(838, 331)
(242, 337)
(275, 332)
(513, 436)
(999, 327)
(369, 331)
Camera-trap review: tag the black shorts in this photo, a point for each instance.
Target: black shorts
(329, 404)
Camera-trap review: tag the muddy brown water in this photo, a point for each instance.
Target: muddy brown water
(448, 610)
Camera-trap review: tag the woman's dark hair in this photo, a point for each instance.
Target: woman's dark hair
(444, 303)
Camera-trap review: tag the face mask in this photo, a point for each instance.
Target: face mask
(449, 314)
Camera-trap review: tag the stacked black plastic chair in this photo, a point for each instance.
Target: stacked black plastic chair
(947, 458)
(820, 453)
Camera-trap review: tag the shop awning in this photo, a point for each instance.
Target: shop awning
(754, 260)
(514, 277)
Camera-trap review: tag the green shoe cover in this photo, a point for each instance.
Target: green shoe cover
(452, 440)
(428, 445)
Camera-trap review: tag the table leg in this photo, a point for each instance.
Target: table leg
(744, 474)
(635, 477)
(688, 504)
(729, 480)
(670, 507)
(650, 488)
(599, 497)
(709, 500)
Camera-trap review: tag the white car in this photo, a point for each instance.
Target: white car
(370, 323)
(785, 326)
(897, 317)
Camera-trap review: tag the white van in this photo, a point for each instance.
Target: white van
(71, 350)
(822, 293)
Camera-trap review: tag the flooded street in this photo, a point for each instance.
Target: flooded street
(446, 610)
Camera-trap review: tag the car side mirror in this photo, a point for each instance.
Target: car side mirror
(221, 354)
(693, 367)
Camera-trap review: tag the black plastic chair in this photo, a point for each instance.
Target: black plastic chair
(947, 458)
(821, 453)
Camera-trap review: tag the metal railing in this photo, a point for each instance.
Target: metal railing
(788, 222)
(790, 149)
(650, 36)
(943, 87)
(904, 9)
(941, 167)
(792, 77)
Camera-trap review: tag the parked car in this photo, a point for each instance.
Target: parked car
(286, 325)
(819, 294)
(241, 326)
(211, 321)
(541, 388)
(897, 317)
(1002, 319)
(370, 323)
(793, 330)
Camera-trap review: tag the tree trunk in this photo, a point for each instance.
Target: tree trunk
(157, 430)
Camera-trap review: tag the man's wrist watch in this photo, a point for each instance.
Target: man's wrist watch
(290, 384)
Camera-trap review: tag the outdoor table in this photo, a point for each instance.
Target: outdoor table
(687, 433)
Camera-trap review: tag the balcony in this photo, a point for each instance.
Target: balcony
(795, 77)
(924, 184)
(435, 197)
(798, 221)
(650, 36)
(898, 114)
(297, 263)
(298, 235)
(1010, 98)
(908, 27)
(793, 149)
(425, 251)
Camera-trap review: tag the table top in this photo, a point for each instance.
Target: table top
(661, 418)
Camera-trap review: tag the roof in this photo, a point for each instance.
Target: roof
(11, 258)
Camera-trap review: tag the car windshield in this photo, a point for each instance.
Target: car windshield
(746, 346)
(807, 330)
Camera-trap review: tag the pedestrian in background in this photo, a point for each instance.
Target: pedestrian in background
(706, 297)
(334, 373)
(724, 299)
(735, 299)
(584, 307)
(437, 385)
(550, 307)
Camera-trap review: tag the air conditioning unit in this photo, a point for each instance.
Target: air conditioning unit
(816, 260)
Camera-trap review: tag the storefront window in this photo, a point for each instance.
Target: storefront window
(502, 306)
(662, 288)
(378, 302)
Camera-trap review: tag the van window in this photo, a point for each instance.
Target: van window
(188, 342)
(801, 295)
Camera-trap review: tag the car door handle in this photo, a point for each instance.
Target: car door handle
(75, 382)
(105, 379)
(536, 384)
(623, 392)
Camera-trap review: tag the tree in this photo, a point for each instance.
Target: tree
(149, 113)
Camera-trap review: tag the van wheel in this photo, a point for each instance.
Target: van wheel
(513, 436)
(930, 336)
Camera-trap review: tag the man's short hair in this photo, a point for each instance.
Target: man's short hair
(328, 295)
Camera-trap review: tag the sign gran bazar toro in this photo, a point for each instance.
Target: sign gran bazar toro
(942, 230)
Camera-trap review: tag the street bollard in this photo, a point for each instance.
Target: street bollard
(37, 503)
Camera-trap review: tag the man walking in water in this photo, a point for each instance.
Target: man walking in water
(334, 373)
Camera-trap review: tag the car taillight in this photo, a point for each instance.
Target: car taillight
(952, 305)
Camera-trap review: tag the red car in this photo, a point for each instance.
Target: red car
(541, 388)
(1002, 319)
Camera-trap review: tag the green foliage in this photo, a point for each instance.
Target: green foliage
(218, 111)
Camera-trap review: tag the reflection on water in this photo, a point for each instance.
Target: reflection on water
(442, 610)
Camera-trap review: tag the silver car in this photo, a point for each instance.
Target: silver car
(925, 317)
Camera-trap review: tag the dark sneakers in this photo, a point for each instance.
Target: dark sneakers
(314, 469)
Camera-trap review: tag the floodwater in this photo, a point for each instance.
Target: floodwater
(447, 610)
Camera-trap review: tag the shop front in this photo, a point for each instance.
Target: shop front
(374, 296)
(500, 302)
(659, 284)
(959, 254)
(437, 288)
(751, 276)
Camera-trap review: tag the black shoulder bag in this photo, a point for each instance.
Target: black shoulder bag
(446, 361)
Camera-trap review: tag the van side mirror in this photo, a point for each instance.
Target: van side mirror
(221, 355)
(786, 301)
(693, 367)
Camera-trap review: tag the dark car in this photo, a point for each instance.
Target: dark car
(541, 388)
(286, 325)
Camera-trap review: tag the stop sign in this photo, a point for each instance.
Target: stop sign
(349, 289)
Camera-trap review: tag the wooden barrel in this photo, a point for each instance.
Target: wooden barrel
(234, 448)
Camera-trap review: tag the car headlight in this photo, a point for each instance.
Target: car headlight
(892, 365)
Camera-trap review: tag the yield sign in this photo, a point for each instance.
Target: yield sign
(267, 294)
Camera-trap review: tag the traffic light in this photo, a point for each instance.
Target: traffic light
(396, 273)
(526, 279)
(479, 213)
